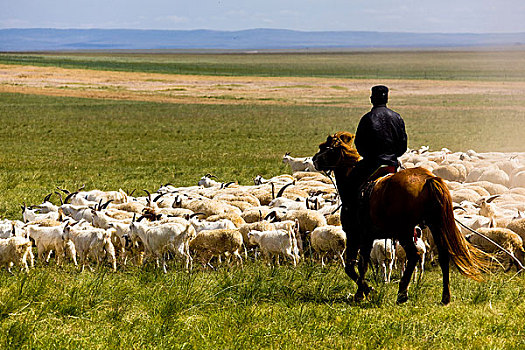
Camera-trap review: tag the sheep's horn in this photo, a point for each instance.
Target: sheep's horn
(273, 190)
(281, 191)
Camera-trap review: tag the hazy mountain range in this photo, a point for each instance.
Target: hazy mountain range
(254, 39)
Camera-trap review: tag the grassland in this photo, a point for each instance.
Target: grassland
(111, 144)
(495, 64)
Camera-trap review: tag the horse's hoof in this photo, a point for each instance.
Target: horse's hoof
(359, 296)
(402, 298)
(445, 301)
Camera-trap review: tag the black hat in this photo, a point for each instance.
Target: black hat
(379, 94)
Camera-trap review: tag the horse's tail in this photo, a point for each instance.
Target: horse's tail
(470, 261)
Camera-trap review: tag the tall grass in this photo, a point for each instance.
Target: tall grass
(253, 307)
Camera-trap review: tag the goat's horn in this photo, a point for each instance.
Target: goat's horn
(46, 198)
(281, 191)
(63, 190)
(158, 197)
(60, 196)
(69, 197)
(491, 198)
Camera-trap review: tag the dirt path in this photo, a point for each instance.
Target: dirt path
(221, 90)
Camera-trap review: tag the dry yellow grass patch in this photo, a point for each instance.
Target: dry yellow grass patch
(220, 89)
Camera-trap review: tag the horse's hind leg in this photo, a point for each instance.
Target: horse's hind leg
(412, 258)
(444, 261)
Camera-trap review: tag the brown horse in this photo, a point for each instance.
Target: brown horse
(396, 205)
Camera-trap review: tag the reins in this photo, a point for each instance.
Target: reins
(338, 195)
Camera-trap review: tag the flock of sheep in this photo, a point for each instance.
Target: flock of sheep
(286, 217)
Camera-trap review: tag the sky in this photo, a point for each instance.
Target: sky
(419, 16)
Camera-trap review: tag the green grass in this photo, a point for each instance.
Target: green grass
(67, 142)
(253, 307)
(497, 64)
(53, 141)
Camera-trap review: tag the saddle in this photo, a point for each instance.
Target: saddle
(365, 191)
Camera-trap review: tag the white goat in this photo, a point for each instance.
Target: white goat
(49, 239)
(383, 254)
(160, 239)
(14, 250)
(273, 243)
(299, 164)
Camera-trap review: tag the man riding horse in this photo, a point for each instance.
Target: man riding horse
(380, 139)
(395, 204)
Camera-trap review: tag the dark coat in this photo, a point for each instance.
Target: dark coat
(381, 137)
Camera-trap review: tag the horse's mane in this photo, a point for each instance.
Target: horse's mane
(343, 140)
(345, 136)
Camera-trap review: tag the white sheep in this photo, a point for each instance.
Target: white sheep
(328, 239)
(211, 225)
(210, 243)
(506, 238)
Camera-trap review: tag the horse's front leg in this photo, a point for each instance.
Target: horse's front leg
(351, 260)
(363, 289)
(412, 258)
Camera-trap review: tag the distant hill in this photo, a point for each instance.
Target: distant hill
(254, 39)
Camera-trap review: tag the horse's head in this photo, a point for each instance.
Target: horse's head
(336, 152)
